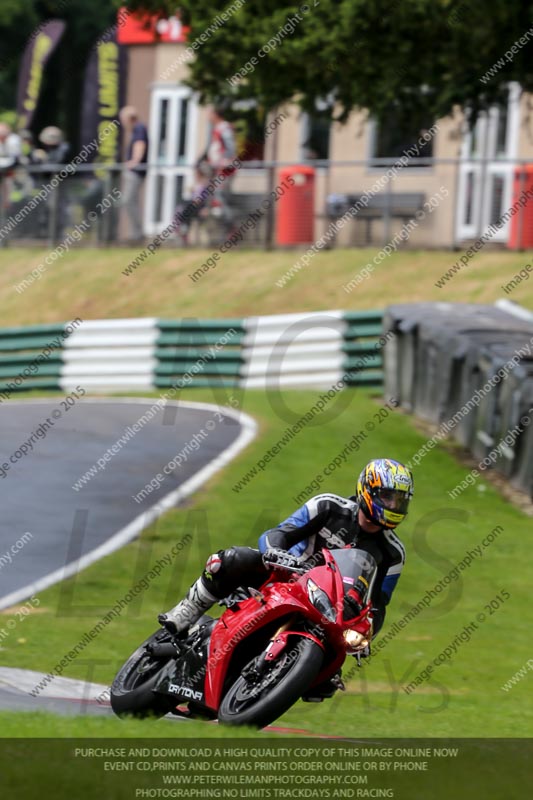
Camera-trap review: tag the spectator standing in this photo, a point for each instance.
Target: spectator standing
(220, 153)
(55, 151)
(10, 152)
(221, 149)
(10, 146)
(134, 174)
(22, 176)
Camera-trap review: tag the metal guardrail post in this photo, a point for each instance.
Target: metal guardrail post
(456, 210)
(327, 191)
(4, 240)
(269, 228)
(387, 215)
(53, 216)
(105, 222)
(521, 212)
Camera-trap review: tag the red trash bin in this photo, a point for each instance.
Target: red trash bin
(295, 212)
(521, 235)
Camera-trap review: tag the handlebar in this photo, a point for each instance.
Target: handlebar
(273, 564)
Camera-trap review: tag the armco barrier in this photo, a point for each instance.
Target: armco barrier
(310, 349)
(207, 352)
(111, 354)
(33, 357)
(313, 349)
(293, 350)
(363, 362)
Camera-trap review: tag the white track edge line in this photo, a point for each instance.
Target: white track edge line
(138, 524)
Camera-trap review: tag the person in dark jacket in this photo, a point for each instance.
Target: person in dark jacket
(54, 149)
(366, 520)
(135, 169)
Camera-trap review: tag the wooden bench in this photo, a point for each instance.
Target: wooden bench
(385, 206)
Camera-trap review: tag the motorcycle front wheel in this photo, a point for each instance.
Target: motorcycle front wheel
(132, 690)
(259, 698)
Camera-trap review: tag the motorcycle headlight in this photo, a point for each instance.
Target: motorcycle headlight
(320, 600)
(354, 640)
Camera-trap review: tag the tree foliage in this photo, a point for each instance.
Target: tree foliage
(421, 55)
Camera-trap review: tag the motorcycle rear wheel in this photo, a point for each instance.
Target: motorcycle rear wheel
(260, 701)
(132, 689)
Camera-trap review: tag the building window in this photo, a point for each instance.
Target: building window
(315, 140)
(391, 138)
(487, 167)
(171, 155)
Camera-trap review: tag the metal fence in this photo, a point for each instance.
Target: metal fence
(446, 203)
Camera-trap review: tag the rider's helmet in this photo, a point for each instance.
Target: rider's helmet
(384, 489)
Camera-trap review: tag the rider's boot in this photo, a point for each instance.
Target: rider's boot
(189, 610)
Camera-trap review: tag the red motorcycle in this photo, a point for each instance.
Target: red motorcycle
(270, 646)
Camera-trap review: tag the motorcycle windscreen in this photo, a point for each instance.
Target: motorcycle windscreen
(358, 571)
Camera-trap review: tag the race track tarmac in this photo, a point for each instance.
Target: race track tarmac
(64, 696)
(70, 697)
(70, 528)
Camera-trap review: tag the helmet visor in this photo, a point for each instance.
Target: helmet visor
(392, 499)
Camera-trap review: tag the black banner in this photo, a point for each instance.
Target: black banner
(41, 44)
(103, 96)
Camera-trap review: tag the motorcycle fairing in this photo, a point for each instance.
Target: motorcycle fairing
(184, 678)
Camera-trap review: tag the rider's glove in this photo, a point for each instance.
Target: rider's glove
(280, 559)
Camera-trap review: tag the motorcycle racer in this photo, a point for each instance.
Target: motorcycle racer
(366, 520)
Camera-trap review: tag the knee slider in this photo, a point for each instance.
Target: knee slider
(213, 563)
(219, 572)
